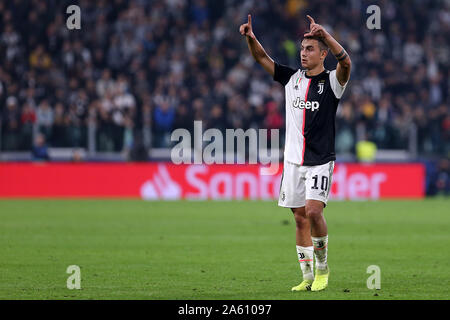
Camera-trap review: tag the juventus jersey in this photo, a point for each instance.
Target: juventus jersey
(311, 105)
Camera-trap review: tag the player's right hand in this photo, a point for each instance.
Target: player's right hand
(246, 28)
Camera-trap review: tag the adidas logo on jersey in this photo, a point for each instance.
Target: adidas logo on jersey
(301, 104)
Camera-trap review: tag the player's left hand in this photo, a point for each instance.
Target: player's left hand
(315, 30)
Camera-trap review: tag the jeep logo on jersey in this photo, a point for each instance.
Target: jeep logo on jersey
(301, 104)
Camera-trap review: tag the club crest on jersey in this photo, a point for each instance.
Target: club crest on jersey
(321, 84)
(301, 104)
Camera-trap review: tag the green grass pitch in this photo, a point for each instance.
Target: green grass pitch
(131, 249)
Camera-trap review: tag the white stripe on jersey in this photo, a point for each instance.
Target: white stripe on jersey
(297, 87)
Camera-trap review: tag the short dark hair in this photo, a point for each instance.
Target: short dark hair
(322, 44)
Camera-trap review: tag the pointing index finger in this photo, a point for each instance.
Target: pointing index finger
(310, 19)
(249, 19)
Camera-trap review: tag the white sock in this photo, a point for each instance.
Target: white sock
(305, 258)
(320, 251)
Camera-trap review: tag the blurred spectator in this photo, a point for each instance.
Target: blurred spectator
(60, 124)
(27, 120)
(443, 177)
(217, 119)
(273, 120)
(164, 115)
(40, 150)
(10, 124)
(184, 119)
(138, 150)
(345, 136)
(438, 178)
(39, 59)
(44, 118)
(77, 156)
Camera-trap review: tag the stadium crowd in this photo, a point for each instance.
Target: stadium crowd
(139, 69)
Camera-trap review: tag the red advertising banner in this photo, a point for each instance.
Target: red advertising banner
(167, 181)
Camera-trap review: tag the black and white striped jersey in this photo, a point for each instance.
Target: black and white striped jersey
(311, 105)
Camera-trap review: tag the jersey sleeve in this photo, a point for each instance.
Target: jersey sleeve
(337, 88)
(282, 73)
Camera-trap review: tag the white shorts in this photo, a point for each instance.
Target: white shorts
(301, 183)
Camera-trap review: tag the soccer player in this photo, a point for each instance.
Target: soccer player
(312, 98)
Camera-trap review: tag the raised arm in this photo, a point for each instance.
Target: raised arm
(256, 49)
(344, 65)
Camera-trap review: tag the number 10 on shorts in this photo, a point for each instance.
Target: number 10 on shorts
(323, 182)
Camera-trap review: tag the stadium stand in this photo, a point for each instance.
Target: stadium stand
(139, 69)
